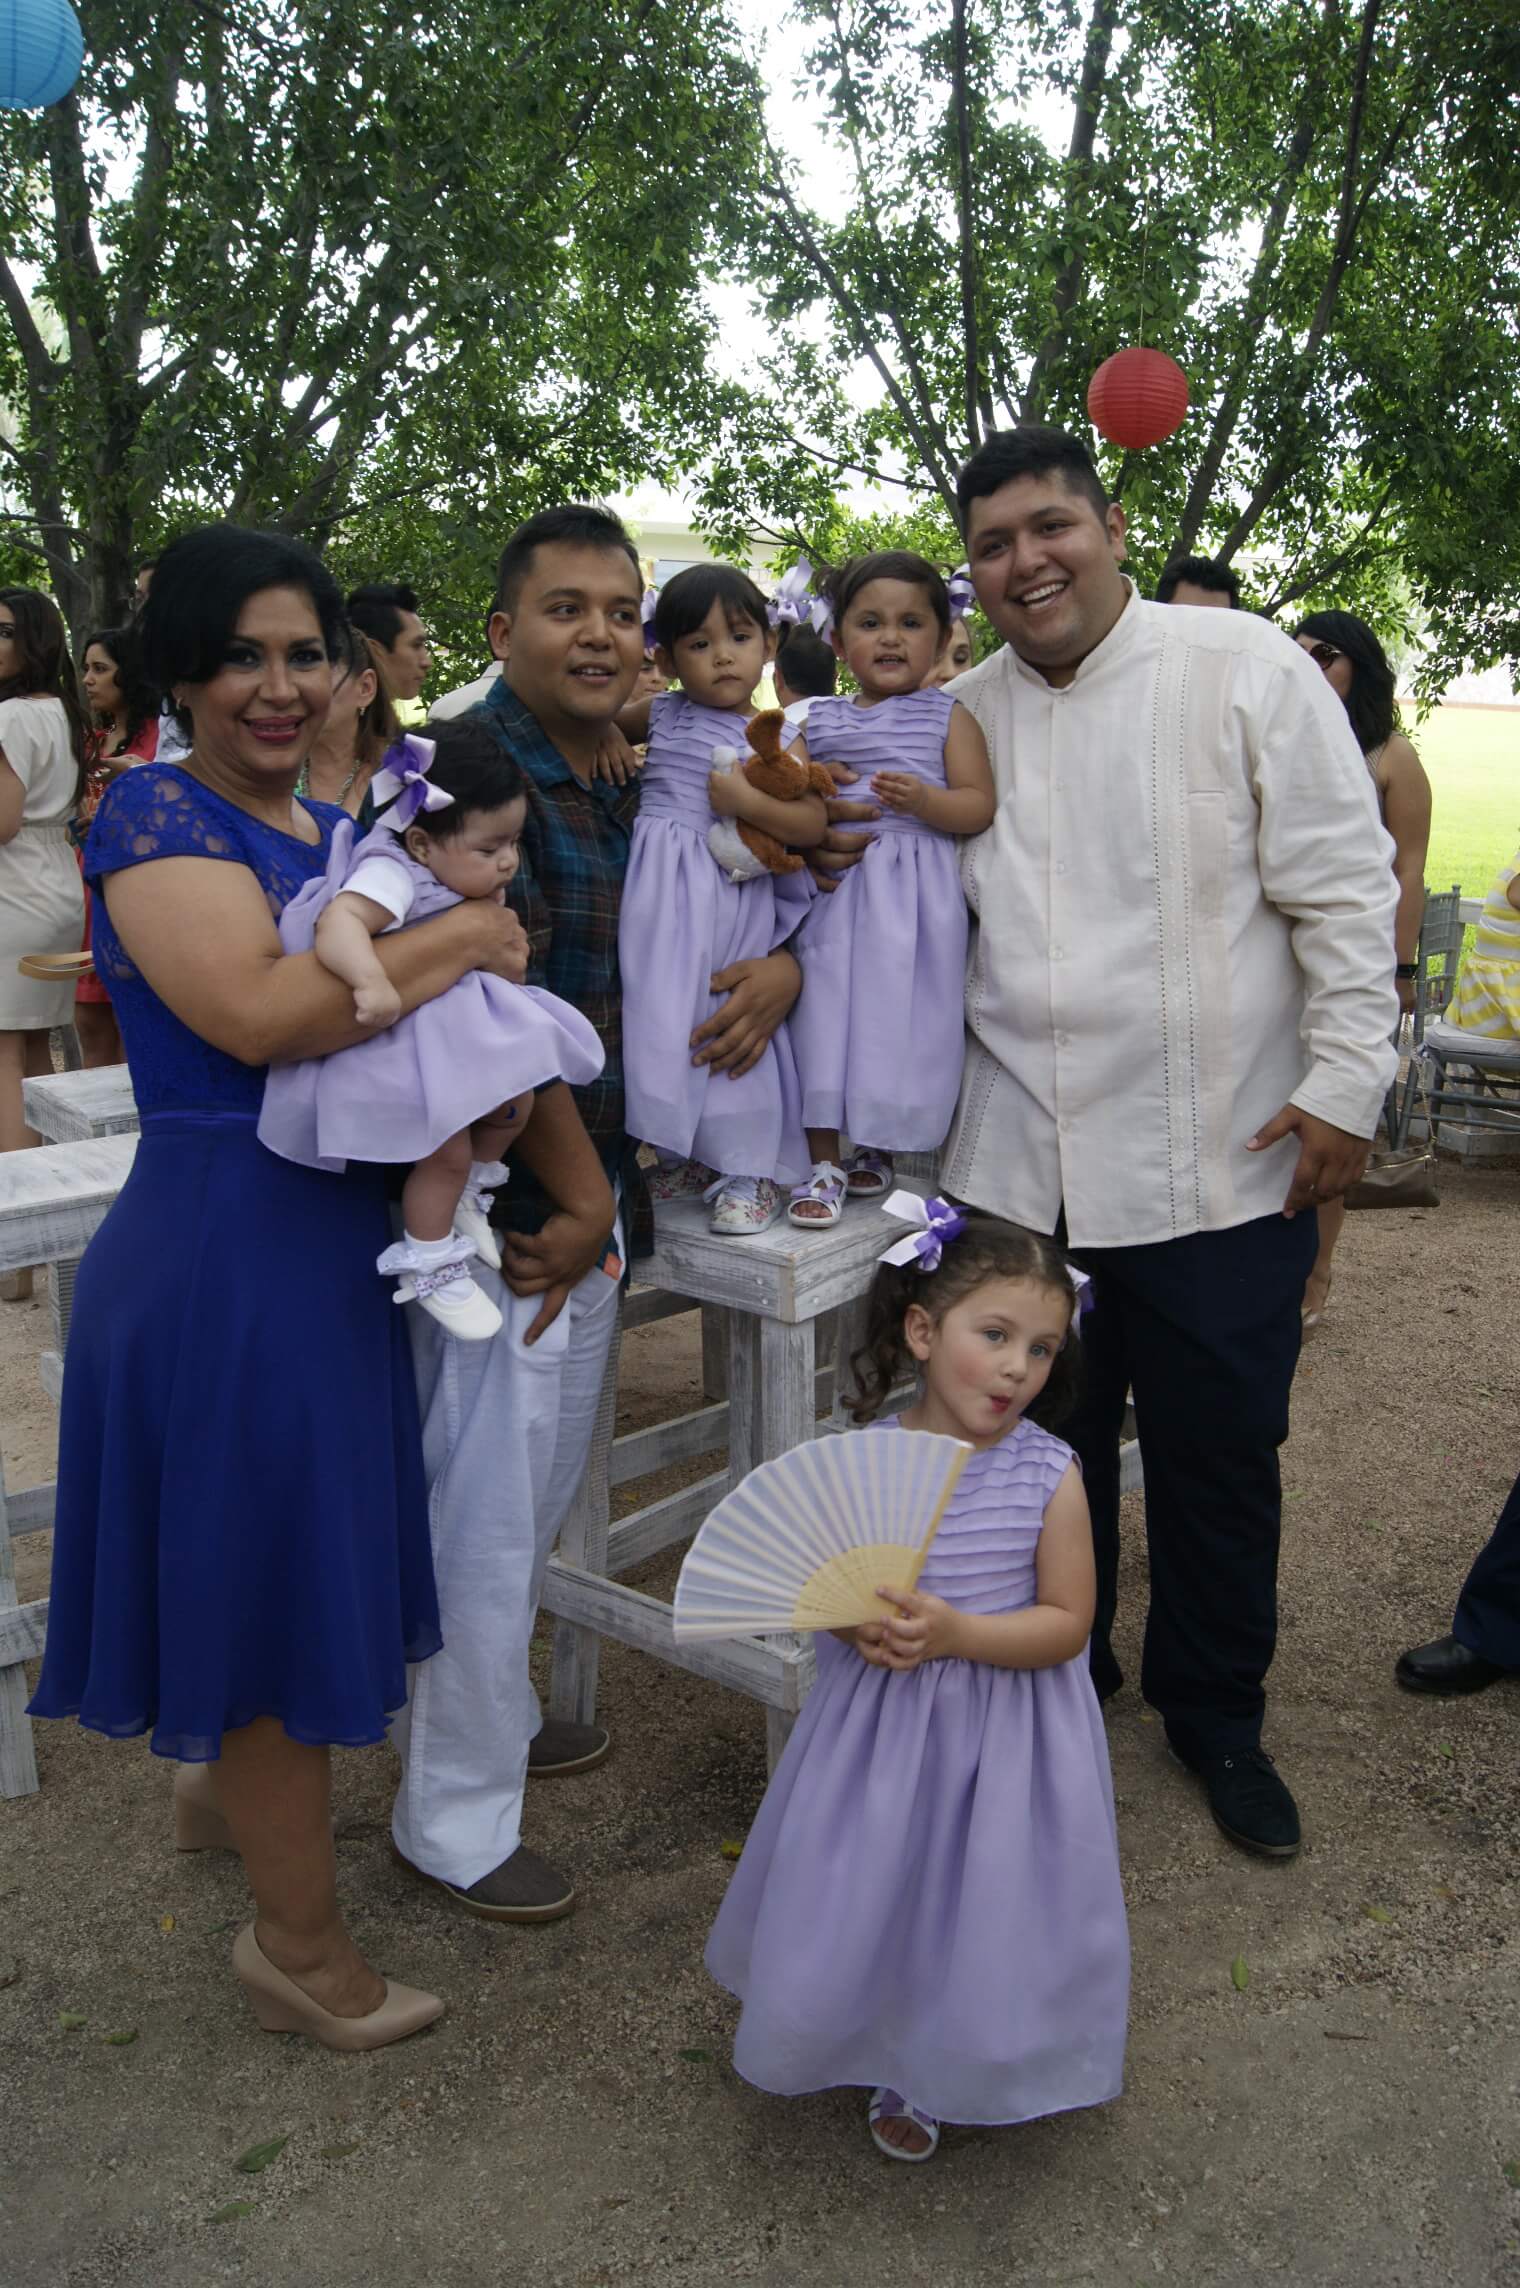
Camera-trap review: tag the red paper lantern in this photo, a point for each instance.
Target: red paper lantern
(1137, 397)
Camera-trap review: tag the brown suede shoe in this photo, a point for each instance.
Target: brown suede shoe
(562, 1748)
(523, 1889)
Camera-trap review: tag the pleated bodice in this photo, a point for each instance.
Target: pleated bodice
(983, 1557)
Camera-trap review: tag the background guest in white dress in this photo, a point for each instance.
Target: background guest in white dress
(42, 739)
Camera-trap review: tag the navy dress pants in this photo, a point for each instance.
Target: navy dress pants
(1488, 1611)
(1205, 1330)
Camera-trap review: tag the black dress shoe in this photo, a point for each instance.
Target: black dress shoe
(1251, 1805)
(1445, 1666)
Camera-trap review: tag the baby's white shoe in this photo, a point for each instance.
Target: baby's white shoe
(472, 1217)
(430, 1272)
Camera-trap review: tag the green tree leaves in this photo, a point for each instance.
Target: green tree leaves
(383, 281)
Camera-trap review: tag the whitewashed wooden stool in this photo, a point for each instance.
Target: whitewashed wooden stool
(68, 1108)
(772, 1291)
(52, 1201)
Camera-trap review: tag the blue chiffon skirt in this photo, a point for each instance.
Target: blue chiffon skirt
(241, 1525)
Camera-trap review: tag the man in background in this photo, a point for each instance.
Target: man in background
(386, 612)
(1199, 580)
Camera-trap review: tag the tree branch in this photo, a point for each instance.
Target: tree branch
(1258, 295)
(907, 348)
(1304, 583)
(976, 396)
(1352, 207)
(1084, 132)
(929, 448)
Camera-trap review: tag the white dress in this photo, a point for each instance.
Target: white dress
(41, 895)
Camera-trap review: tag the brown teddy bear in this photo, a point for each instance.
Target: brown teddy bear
(745, 851)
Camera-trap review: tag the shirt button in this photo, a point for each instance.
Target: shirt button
(1063, 1040)
(1058, 953)
(1064, 1126)
(1060, 865)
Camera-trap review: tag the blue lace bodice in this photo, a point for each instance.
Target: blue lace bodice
(159, 811)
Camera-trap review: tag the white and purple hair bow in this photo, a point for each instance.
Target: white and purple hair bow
(647, 611)
(962, 594)
(792, 603)
(936, 1222)
(409, 788)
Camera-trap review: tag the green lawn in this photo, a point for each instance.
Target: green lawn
(1473, 757)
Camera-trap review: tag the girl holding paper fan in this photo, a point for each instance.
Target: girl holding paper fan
(684, 921)
(451, 1085)
(879, 1029)
(929, 1905)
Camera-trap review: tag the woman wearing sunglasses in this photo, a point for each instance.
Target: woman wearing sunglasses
(1356, 668)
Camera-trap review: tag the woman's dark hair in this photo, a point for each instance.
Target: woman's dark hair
(470, 763)
(1370, 702)
(686, 601)
(201, 585)
(46, 670)
(809, 665)
(379, 726)
(843, 586)
(1030, 450)
(986, 1249)
(140, 699)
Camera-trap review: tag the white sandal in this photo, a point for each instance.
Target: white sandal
(891, 2105)
(825, 1188)
(869, 1175)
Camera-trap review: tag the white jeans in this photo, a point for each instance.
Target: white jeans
(506, 1432)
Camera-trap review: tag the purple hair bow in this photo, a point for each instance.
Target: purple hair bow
(646, 612)
(962, 594)
(937, 1221)
(793, 601)
(409, 789)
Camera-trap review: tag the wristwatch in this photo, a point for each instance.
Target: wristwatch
(1406, 969)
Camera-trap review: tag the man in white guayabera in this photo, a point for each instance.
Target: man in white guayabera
(1180, 1001)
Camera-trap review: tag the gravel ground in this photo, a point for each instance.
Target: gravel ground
(1351, 2117)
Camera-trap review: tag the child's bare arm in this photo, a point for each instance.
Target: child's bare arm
(633, 721)
(344, 943)
(966, 802)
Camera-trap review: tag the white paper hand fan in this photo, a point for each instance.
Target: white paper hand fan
(806, 1541)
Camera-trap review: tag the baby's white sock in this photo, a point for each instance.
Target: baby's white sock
(432, 1252)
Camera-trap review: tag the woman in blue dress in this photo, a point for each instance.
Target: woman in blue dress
(241, 1554)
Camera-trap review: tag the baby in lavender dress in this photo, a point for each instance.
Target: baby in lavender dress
(928, 1905)
(879, 1032)
(449, 1085)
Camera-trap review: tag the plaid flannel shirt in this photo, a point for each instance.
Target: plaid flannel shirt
(567, 893)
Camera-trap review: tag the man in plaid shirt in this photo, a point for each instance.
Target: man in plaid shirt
(507, 1424)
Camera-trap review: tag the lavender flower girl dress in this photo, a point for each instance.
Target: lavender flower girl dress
(929, 1899)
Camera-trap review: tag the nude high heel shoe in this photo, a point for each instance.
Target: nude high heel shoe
(199, 1824)
(282, 2007)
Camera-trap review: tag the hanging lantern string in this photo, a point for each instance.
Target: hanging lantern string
(1145, 250)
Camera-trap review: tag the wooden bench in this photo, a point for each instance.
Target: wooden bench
(52, 1202)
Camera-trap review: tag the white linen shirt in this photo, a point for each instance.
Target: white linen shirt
(1182, 920)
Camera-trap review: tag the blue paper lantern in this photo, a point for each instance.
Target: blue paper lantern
(41, 48)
